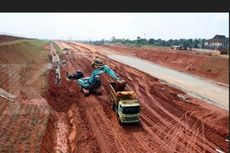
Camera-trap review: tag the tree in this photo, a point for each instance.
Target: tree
(195, 43)
(113, 39)
(151, 41)
(138, 40)
(102, 41)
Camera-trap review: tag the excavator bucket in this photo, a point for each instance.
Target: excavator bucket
(75, 76)
(120, 85)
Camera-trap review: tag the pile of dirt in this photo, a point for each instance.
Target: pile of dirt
(211, 67)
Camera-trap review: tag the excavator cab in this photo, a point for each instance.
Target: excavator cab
(97, 62)
(96, 83)
(91, 83)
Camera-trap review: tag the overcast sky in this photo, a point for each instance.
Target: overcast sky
(96, 26)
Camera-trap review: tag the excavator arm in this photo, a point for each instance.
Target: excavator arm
(104, 69)
(93, 82)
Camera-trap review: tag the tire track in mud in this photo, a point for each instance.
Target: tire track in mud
(169, 136)
(165, 125)
(122, 137)
(160, 112)
(124, 134)
(170, 132)
(160, 108)
(104, 133)
(126, 141)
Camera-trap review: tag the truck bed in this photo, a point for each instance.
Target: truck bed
(125, 93)
(125, 88)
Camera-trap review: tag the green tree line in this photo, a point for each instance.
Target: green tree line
(185, 43)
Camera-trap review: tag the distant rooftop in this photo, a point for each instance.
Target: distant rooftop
(219, 38)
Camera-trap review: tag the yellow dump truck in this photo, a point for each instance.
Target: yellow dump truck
(125, 104)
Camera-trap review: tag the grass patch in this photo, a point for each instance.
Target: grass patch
(21, 51)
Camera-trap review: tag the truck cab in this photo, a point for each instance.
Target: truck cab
(125, 104)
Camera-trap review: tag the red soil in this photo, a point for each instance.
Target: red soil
(24, 121)
(168, 124)
(87, 124)
(211, 67)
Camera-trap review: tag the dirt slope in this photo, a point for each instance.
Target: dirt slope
(23, 121)
(19, 61)
(211, 67)
(6, 38)
(58, 118)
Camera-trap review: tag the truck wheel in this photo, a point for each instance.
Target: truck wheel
(119, 121)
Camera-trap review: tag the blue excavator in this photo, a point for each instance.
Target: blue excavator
(123, 99)
(92, 83)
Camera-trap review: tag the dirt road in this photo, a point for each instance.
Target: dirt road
(168, 124)
(211, 93)
(213, 67)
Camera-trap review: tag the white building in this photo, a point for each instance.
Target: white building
(219, 42)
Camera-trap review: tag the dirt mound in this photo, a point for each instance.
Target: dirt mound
(211, 67)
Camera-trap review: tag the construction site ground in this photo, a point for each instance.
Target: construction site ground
(213, 67)
(47, 117)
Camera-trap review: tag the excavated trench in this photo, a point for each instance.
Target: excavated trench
(168, 124)
(61, 130)
(47, 144)
(60, 135)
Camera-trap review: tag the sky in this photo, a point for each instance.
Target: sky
(97, 26)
